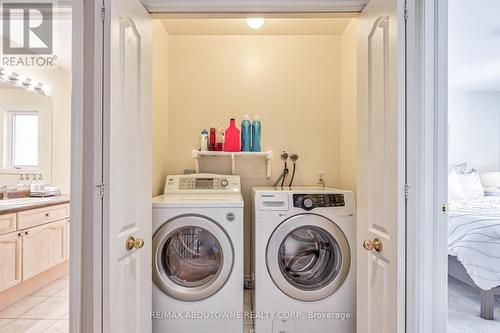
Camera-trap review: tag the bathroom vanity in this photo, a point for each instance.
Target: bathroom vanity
(33, 245)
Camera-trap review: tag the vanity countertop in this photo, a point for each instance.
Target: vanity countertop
(37, 203)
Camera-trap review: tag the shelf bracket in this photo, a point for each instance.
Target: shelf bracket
(197, 165)
(269, 156)
(197, 155)
(233, 164)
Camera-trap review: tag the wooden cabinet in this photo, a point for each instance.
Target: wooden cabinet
(8, 223)
(31, 242)
(35, 217)
(68, 226)
(10, 260)
(43, 247)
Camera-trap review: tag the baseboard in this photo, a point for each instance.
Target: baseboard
(28, 287)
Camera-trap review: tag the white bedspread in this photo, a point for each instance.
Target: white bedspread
(474, 238)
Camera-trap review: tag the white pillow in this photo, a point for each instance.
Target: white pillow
(460, 168)
(455, 191)
(471, 184)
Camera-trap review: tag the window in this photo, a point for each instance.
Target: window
(21, 140)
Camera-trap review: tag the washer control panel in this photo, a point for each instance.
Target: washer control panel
(202, 183)
(310, 201)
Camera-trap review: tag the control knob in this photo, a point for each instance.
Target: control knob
(308, 203)
(224, 182)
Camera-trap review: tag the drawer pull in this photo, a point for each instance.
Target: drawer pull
(26, 232)
(47, 214)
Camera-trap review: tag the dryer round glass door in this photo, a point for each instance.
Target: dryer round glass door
(193, 258)
(308, 257)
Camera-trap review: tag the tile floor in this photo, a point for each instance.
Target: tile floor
(46, 310)
(463, 310)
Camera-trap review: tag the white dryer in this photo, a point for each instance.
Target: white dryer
(198, 255)
(304, 243)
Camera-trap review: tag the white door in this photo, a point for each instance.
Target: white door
(127, 168)
(381, 178)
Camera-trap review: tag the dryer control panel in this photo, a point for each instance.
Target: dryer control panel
(310, 201)
(202, 183)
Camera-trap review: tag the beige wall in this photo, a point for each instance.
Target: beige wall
(348, 108)
(160, 107)
(303, 87)
(292, 82)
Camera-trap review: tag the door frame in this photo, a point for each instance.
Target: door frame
(86, 168)
(427, 94)
(426, 303)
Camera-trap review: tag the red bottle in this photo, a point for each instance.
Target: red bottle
(220, 138)
(212, 140)
(232, 138)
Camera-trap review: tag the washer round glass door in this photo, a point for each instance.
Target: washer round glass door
(192, 258)
(308, 257)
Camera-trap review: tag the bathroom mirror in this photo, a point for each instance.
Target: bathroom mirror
(25, 132)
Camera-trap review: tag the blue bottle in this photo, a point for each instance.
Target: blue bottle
(246, 126)
(256, 132)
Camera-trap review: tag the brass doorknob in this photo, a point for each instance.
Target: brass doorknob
(134, 243)
(376, 245)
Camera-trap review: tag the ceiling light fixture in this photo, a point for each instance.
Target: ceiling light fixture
(255, 22)
(5, 72)
(10, 77)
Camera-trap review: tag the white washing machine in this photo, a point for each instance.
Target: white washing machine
(198, 255)
(304, 243)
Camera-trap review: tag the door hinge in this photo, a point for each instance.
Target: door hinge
(103, 13)
(444, 209)
(406, 11)
(407, 190)
(101, 188)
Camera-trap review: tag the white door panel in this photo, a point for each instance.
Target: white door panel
(381, 176)
(127, 159)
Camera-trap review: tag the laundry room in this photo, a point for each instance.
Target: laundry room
(289, 83)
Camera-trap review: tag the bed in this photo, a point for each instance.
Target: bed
(474, 240)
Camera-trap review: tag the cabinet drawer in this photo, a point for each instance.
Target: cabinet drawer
(34, 217)
(7, 223)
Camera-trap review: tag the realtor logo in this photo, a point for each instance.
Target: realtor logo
(27, 28)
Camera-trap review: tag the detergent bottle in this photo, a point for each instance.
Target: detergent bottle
(246, 127)
(256, 133)
(220, 138)
(232, 137)
(212, 139)
(204, 140)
